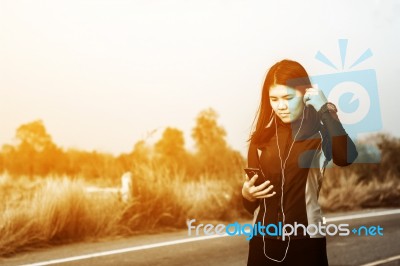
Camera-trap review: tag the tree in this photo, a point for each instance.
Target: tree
(214, 154)
(35, 136)
(35, 152)
(207, 134)
(171, 146)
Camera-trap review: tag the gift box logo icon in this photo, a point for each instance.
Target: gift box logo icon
(355, 93)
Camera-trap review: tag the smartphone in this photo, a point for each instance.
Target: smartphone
(252, 171)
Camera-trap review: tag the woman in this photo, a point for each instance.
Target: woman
(297, 133)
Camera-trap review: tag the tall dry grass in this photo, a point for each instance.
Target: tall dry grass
(341, 192)
(42, 212)
(59, 210)
(55, 211)
(166, 198)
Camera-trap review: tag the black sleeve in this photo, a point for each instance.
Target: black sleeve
(250, 206)
(252, 161)
(343, 149)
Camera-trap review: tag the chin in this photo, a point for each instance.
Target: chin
(285, 119)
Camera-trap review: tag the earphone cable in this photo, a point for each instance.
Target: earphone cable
(283, 165)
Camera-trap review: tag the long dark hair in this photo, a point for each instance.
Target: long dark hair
(286, 72)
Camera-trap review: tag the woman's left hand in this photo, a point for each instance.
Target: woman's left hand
(315, 97)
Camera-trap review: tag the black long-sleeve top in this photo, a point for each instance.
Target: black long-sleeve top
(304, 169)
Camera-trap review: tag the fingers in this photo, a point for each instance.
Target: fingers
(260, 191)
(266, 196)
(263, 192)
(252, 180)
(253, 188)
(314, 97)
(309, 93)
(261, 186)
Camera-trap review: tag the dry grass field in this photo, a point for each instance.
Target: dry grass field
(48, 211)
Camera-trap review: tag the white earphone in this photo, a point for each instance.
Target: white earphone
(283, 165)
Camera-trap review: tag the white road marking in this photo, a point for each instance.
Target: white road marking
(379, 262)
(362, 215)
(199, 238)
(124, 250)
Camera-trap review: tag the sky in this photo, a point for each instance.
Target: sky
(103, 75)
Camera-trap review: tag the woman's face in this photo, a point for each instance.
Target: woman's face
(286, 102)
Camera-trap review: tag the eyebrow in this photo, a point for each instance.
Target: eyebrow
(286, 95)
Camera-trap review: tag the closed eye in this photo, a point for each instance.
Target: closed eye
(289, 97)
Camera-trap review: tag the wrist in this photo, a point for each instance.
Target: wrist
(327, 107)
(318, 107)
(251, 200)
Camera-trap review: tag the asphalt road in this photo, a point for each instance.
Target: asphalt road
(178, 248)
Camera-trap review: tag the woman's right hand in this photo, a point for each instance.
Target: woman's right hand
(252, 192)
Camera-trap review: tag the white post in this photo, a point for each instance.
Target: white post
(126, 186)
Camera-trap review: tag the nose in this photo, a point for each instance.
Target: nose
(282, 105)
